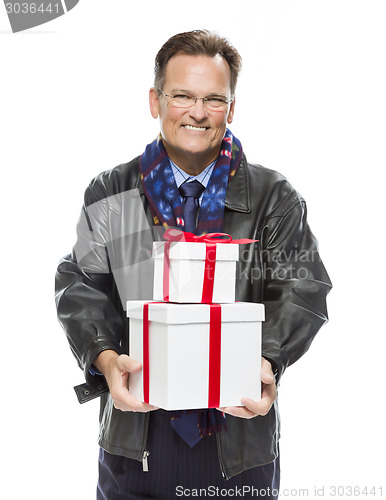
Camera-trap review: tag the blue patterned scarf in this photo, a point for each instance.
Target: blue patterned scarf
(163, 195)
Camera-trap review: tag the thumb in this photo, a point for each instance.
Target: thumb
(266, 374)
(267, 378)
(127, 364)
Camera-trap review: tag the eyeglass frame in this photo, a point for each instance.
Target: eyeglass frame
(204, 99)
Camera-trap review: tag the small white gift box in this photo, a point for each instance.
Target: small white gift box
(195, 355)
(191, 271)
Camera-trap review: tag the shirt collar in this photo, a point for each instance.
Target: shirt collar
(181, 176)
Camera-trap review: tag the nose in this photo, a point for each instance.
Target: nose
(198, 111)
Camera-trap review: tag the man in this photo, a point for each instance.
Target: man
(129, 207)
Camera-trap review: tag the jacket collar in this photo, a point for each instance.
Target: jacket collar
(237, 196)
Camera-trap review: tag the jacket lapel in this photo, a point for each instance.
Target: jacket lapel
(238, 195)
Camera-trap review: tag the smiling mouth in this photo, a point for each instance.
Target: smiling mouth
(200, 129)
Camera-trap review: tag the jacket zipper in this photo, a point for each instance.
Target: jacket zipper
(220, 459)
(145, 453)
(145, 465)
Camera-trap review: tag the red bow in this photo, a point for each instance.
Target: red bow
(211, 240)
(178, 235)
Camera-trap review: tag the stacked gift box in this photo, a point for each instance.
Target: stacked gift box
(198, 347)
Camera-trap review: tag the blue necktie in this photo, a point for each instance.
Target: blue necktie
(193, 425)
(187, 424)
(191, 191)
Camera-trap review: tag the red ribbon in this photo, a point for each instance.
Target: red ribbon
(214, 354)
(146, 351)
(178, 235)
(145, 356)
(165, 284)
(211, 240)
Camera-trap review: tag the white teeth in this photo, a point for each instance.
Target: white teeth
(190, 127)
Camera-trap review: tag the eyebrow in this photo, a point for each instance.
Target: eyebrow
(213, 94)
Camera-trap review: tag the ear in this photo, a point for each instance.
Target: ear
(154, 102)
(231, 111)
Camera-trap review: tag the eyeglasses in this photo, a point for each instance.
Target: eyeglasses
(187, 101)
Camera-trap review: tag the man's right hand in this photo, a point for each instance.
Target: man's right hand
(116, 369)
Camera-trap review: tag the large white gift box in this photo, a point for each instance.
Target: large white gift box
(195, 355)
(191, 269)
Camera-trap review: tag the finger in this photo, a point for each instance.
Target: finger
(125, 401)
(238, 411)
(261, 407)
(150, 407)
(266, 373)
(125, 380)
(269, 391)
(127, 364)
(134, 407)
(267, 377)
(132, 404)
(138, 406)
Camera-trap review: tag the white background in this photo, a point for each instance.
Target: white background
(310, 103)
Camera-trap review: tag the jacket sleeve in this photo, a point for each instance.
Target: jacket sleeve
(84, 287)
(295, 286)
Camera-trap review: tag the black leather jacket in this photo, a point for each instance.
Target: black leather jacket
(283, 271)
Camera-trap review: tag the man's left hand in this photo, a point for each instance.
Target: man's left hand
(253, 408)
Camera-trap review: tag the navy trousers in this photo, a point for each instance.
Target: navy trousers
(176, 470)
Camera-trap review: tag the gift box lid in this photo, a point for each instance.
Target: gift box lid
(184, 250)
(166, 312)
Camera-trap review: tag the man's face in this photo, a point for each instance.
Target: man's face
(193, 136)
